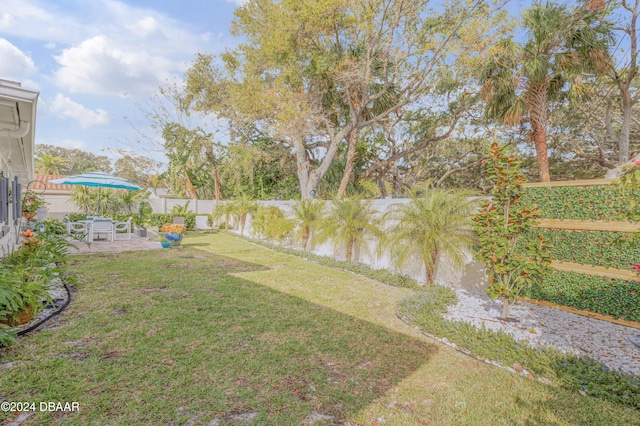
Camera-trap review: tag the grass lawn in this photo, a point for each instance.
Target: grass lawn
(225, 332)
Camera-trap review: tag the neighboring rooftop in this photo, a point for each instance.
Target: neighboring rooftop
(43, 183)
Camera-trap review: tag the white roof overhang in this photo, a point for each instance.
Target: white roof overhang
(17, 130)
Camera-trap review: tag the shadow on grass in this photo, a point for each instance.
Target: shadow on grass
(176, 338)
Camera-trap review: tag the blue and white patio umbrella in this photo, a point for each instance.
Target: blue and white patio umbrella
(99, 179)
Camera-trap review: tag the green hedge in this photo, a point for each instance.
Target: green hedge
(599, 202)
(156, 219)
(607, 296)
(597, 248)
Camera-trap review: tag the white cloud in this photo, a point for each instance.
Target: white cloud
(107, 46)
(101, 66)
(238, 2)
(14, 63)
(66, 108)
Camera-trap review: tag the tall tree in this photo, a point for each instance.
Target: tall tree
(521, 81)
(136, 168)
(76, 161)
(191, 168)
(312, 76)
(623, 77)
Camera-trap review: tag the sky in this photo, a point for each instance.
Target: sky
(95, 61)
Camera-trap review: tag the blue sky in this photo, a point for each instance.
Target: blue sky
(93, 61)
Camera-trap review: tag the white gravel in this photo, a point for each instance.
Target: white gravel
(542, 326)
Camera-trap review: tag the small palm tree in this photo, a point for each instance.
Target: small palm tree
(224, 209)
(350, 222)
(434, 224)
(242, 207)
(308, 214)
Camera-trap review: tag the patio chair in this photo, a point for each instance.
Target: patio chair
(79, 228)
(124, 227)
(202, 224)
(102, 227)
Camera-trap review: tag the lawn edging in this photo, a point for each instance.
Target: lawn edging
(577, 373)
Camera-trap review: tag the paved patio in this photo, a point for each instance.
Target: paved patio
(105, 246)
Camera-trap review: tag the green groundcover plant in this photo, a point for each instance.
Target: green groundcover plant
(425, 308)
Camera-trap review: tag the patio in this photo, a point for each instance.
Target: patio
(105, 246)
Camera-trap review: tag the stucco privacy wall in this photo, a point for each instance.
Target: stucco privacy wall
(471, 275)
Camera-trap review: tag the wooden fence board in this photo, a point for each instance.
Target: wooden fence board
(589, 314)
(600, 271)
(584, 182)
(595, 225)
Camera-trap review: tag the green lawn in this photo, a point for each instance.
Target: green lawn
(225, 330)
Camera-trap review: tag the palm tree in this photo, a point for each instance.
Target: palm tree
(308, 214)
(350, 222)
(49, 164)
(242, 207)
(225, 209)
(438, 223)
(521, 80)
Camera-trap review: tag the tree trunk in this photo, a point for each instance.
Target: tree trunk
(625, 130)
(191, 191)
(305, 238)
(505, 308)
(353, 137)
(350, 249)
(536, 96)
(430, 270)
(539, 136)
(243, 220)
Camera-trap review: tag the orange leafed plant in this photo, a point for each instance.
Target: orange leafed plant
(174, 228)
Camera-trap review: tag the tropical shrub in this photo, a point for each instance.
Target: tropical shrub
(501, 224)
(241, 208)
(271, 223)
(106, 200)
(349, 223)
(435, 223)
(26, 273)
(308, 215)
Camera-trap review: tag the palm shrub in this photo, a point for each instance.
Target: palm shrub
(241, 208)
(349, 223)
(224, 209)
(308, 215)
(502, 226)
(270, 222)
(436, 223)
(110, 200)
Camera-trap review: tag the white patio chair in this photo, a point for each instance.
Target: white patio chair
(124, 227)
(79, 228)
(202, 224)
(100, 227)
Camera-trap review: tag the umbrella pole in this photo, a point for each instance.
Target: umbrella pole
(99, 192)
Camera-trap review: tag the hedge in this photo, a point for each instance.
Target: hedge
(156, 219)
(607, 296)
(596, 248)
(598, 202)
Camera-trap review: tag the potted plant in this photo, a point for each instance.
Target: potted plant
(144, 218)
(173, 232)
(31, 202)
